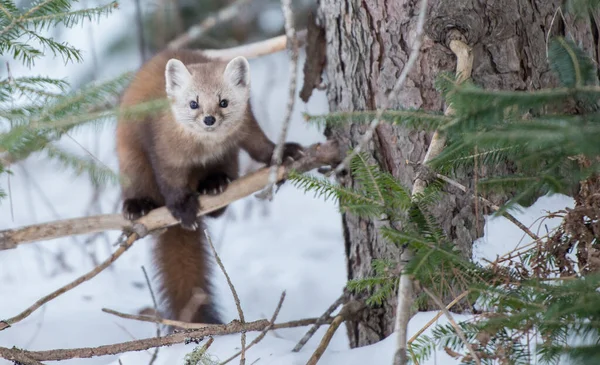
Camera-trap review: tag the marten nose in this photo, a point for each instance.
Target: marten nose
(209, 120)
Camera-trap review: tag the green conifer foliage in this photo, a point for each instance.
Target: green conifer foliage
(36, 111)
(526, 307)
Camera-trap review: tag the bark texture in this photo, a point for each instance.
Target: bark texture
(367, 44)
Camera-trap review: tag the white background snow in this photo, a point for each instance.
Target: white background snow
(293, 243)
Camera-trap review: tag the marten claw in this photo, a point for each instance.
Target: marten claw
(214, 184)
(191, 227)
(137, 207)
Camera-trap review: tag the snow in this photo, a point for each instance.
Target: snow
(293, 243)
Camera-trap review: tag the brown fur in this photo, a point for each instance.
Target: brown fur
(164, 164)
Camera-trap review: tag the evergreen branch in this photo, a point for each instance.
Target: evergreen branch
(414, 119)
(71, 18)
(326, 189)
(464, 65)
(365, 175)
(574, 60)
(8, 7)
(99, 174)
(68, 52)
(41, 16)
(20, 51)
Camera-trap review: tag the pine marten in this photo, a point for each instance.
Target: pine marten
(170, 157)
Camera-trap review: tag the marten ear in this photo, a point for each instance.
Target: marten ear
(237, 72)
(177, 76)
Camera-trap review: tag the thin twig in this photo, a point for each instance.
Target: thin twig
(412, 59)
(198, 30)
(263, 323)
(437, 316)
(325, 340)
(236, 298)
(458, 330)
(155, 354)
(405, 284)
(264, 332)
(98, 269)
(292, 43)
(317, 155)
(339, 301)
(493, 206)
(147, 343)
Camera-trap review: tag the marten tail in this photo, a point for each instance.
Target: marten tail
(181, 258)
(254, 50)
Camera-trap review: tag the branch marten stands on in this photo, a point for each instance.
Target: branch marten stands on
(170, 157)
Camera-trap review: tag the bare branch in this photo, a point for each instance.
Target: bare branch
(493, 206)
(325, 340)
(405, 285)
(458, 330)
(341, 300)
(464, 65)
(144, 344)
(122, 248)
(412, 58)
(191, 326)
(437, 316)
(236, 298)
(195, 32)
(264, 332)
(155, 354)
(18, 357)
(292, 43)
(317, 155)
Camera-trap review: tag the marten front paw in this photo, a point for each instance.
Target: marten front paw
(292, 152)
(214, 184)
(136, 208)
(185, 210)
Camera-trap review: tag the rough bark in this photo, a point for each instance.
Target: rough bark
(368, 43)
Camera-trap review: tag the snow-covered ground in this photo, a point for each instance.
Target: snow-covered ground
(293, 243)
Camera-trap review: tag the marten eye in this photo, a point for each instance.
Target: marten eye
(223, 103)
(193, 104)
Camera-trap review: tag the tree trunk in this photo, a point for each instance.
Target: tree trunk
(367, 44)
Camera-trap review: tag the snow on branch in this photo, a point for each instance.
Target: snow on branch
(317, 155)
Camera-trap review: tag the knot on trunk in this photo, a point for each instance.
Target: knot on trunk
(456, 20)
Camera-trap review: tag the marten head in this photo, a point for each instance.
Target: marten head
(209, 99)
